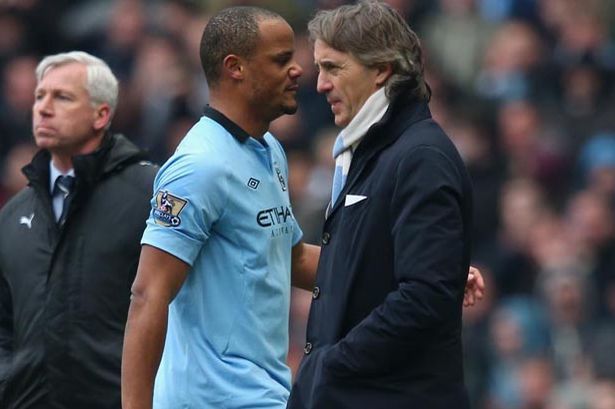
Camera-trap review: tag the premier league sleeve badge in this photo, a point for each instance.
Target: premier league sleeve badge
(168, 209)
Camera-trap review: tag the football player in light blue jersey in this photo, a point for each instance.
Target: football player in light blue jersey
(208, 321)
(217, 248)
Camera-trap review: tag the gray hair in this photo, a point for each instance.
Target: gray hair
(101, 83)
(233, 30)
(375, 34)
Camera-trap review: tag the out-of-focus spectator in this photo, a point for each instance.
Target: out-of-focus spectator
(292, 131)
(600, 353)
(591, 222)
(567, 296)
(184, 20)
(603, 395)
(502, 10)
(455, 40)
(536, 382)
(124, 34)
(519, 332)
(159, 93)
(512, 63)
(522, 205)
(582, 33)
(315, 185)
(313, 108)
(550, 247)
(533, 147)
(174, 16)
(597, 164)
(583, 91)
(13, 34)
(321, 176)
(414, 11)
(12, 179)
(477, 148)
(16, 98)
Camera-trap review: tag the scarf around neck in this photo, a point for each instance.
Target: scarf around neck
(349, 138)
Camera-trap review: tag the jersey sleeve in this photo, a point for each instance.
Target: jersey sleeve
(297, 232)
(190, 192)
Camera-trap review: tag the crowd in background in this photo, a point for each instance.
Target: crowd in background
(525, 89)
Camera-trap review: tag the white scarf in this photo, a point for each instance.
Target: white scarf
(348, 139)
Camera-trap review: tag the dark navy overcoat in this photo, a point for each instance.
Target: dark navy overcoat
(384, 329)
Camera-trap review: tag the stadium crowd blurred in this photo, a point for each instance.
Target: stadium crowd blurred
(526, 90)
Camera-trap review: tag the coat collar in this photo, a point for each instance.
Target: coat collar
(402, 113)
(114, 152)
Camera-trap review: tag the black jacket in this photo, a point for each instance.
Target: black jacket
(384, 330)
(64, 292)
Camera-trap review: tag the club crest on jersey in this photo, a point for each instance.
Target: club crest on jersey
(280, 176)
(168, 208)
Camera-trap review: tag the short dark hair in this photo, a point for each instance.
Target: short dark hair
(374, 33)
(233, 30)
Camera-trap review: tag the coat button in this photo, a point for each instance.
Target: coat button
(307, 348)
(315, 293)
(325, 238)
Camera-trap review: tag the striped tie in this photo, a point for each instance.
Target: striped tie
(65, 185)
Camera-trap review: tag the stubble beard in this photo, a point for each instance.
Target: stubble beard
(262, 100)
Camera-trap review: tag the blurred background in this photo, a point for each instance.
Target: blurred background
(525, 88)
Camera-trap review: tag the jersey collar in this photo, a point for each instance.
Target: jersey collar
(229, 125)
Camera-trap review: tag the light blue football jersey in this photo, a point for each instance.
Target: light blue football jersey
(221, 204)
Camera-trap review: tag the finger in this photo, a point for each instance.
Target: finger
(471, 279)
(480, 284)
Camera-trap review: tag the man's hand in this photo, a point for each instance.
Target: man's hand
(475, 287)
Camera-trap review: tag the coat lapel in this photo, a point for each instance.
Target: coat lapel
(379, 136)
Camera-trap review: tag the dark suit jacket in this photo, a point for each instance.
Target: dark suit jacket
(384, 329)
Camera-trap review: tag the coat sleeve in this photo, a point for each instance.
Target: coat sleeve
(427, 231)
(6, 333)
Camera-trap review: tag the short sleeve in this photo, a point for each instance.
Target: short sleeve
(190, 192)
(297, 232)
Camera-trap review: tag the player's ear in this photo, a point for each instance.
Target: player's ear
(233, 66)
